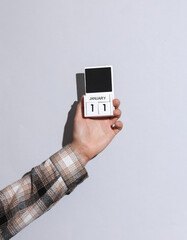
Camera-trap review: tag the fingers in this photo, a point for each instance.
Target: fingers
(116, 103)
(117, 111)
(117, 127)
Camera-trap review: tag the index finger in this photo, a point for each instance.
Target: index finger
(116, 103)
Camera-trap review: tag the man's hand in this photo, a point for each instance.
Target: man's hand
(92, 135)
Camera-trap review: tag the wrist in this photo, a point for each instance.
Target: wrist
(80, 152)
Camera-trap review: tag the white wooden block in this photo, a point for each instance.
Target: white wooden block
(92, 108)
(104, 108)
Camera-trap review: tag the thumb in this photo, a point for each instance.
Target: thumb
(80, 108)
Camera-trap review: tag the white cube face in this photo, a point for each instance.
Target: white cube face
(104, 108)
(92, 108)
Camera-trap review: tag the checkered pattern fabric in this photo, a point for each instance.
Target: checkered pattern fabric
(37, 191)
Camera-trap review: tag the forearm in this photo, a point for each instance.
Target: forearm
(41, 188)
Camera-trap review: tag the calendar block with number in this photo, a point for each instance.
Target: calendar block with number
(98, 101)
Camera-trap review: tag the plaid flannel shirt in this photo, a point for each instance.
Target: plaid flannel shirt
(38, 190)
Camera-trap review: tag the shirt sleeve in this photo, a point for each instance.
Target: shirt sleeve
(38, 190)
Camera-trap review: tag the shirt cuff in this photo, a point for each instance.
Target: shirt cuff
(70, 167)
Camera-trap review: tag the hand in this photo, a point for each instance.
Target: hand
(92, 135)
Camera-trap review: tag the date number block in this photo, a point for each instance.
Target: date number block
(92, 109)
(104, 108)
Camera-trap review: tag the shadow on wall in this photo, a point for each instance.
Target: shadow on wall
(68, 128)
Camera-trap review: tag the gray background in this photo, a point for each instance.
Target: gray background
(137, 187)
